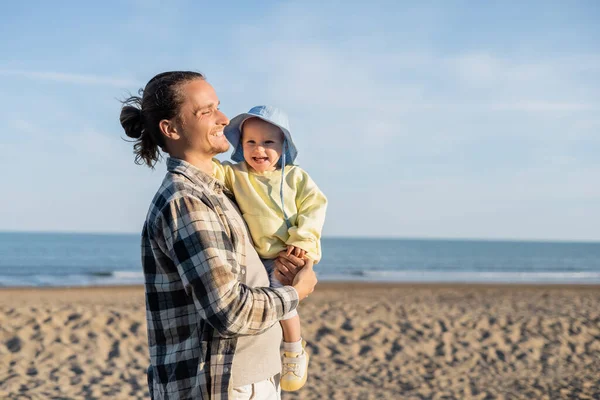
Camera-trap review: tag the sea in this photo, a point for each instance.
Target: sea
(69, 259)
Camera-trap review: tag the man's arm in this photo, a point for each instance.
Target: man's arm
(203, 253)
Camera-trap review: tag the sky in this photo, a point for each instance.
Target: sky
(424, 119)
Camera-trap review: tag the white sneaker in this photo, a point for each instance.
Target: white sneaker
(294, 370)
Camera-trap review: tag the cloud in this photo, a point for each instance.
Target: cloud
(543, 106)
(355, 77)
(361, 76)
(413, 105)
(84, 142)
(24, 126)
(541, 84)
(482, 118)
(485, 70)
(453, 113)
(75, 79)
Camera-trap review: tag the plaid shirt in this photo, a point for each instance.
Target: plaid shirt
(197, 304)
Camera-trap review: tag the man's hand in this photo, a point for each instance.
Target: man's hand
(287, 266)
(306, 280)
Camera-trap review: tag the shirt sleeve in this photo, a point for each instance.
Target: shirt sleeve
(223, 172)
(196, 241)
(312, 205)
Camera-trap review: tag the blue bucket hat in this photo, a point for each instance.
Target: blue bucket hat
(270, 114)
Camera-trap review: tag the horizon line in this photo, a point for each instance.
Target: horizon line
(432, 238)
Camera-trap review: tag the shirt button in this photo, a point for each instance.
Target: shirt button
(225, 369)
(243, 271)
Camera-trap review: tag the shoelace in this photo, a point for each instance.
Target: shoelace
(291, 365)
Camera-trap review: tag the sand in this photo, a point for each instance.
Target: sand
(368, 341)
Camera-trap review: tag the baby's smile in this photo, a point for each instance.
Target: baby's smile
(260, 160)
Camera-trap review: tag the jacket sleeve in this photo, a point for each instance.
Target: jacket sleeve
(199, 246)
(223, 172)
(312, 205)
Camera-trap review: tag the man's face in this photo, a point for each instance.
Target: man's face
(262, 144)
(201, 122)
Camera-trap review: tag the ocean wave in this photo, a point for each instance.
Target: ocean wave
(129, 275)
(564, 277)
(115, 278)
(101, 273)
(92, 278)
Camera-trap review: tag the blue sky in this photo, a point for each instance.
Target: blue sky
(418, 119)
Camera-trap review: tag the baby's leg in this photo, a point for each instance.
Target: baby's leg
(294, 369)
(291, 329)
(290, 323)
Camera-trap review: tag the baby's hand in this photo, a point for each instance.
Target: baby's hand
(296, 251)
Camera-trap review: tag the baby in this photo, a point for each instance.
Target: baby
(282, 206)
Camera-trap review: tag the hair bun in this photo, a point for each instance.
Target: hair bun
(131, 121)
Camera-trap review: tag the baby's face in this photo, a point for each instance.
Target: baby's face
(262, 144)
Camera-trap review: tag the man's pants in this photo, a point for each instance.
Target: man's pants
(263, 390)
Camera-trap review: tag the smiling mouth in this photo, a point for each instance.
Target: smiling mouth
(260, 160)
(217, 134)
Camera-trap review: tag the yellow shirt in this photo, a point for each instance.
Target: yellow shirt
(257, 195)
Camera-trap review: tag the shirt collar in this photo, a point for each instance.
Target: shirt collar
(193, 173)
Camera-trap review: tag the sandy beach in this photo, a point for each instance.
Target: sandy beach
(368, 341)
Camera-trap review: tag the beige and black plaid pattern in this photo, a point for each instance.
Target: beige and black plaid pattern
(197, 304)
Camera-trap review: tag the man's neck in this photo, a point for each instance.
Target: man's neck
(202, 162)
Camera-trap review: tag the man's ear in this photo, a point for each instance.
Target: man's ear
(169, 129)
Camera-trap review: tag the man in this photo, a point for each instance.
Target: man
(212, 319)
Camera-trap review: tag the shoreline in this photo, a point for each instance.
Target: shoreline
(339, 285)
